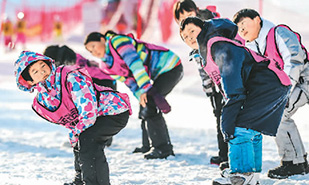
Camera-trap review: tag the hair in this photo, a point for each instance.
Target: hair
(93, 36)
(96, 36)
(62, 55)
(194, 20)
(243, 13)
(184, 5)
(25, 74)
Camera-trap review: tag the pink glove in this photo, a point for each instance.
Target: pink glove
(159, 100)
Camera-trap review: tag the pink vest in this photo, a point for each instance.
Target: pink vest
(213, 71)
(119, 66)
(272, 50)
(66, 113)
(94, 71)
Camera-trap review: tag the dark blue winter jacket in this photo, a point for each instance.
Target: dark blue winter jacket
(256, 97)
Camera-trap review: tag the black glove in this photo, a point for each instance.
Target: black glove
(159, 100)
(228, 137)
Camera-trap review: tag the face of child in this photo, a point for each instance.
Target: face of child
(189, 35)
(184, 15)
(39, 72)
(96, 48)
(249, 28)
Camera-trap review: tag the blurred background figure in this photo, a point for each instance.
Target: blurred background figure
(7, 29)
(57, 30)
(21, 30)
(119, 15)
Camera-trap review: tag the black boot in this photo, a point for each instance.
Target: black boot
(71, 183)
(161, 152)
(78, 172)
(224, 165)
(75, 182)
(145, 141)
(142, 149)
(217, 160)
(287, 169)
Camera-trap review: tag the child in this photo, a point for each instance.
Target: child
(182, 10)
(151, 72)
(187, 8)
(256, 95)
(21, 30)
(66, 56)
(281, 44)
(8, 31)
(68, 97)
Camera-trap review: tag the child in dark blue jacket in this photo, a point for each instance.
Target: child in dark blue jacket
(255, 92)
(183, 9)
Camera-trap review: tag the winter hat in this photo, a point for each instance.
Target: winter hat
(24, 60)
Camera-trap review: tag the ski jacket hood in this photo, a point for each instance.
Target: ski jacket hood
(24, 60)
(217, 27)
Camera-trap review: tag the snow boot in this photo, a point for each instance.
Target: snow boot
(142, 149)
(249, 178)
(156, 153)
(217, 160)
(74, 183)
(238, 179)
(221, 181)
(77, 181)
(224, 165)
(244, 179)
(287, 169)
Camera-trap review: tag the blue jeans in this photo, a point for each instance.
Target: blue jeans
(245, 151)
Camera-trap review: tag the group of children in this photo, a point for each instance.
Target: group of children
(14, 34)
(254, 72)
(261, 70)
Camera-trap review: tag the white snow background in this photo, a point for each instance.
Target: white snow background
(35, 152)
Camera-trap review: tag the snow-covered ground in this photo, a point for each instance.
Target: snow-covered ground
(35, 152)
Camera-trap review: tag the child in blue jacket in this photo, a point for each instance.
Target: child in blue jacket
(255, 92)
(182, 10)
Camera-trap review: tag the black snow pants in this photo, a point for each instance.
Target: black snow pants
(90, 159)
(154, 129)
(217, 103)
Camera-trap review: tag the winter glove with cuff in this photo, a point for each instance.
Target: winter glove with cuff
(228, 137)
(159, 100)
(195, 56)
(206, 83)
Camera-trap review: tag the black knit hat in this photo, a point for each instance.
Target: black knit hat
(62, 55)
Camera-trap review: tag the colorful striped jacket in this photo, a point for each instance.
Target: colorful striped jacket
(144, 62)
